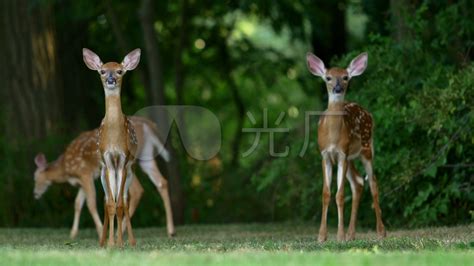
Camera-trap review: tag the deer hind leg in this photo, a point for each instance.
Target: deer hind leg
(131, 238)
(357, 184)
(135, 193)
(161, 184)
(341, 174)
(129, 180)
(326, 197)
(367, 162)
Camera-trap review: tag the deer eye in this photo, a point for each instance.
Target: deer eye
(346, 78)
(328, 78)
(102, 72)
(120, 72)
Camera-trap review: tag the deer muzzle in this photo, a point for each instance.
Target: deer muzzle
(111, 82)
(338, 88)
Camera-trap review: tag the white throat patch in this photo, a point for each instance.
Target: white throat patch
(115, 91)
(110, 86)
(336, 97)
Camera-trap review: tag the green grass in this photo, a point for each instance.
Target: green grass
(254, 244)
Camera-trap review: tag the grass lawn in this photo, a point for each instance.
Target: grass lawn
(241, 244)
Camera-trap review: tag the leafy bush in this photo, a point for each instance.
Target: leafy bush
(420, 92)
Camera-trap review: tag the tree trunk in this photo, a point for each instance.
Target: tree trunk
(238, 102)
(29, 94)
(179, 77)
(31, 100)
(157, 87)
(182, 41)
(157, 97)
(399, 10)
(334, 18)
(122, 41)
(239, 105)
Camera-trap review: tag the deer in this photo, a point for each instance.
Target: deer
(79, 165)
(117, 145)
(345, 133)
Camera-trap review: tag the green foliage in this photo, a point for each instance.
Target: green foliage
(421, 96)
(419, 90)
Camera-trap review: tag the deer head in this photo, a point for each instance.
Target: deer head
(111, 73)
(42, 180)
(337, 79)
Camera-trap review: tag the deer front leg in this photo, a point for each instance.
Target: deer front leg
(106, 216)
(121, 183)
(103, 179)
(341, 174)
(106, 224)
(77, 212)
(375, 195)
(326, 197)
(111, 211)
(111, 195)
(356, 182)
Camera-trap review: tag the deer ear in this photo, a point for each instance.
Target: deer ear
(358, 65)
(40, 160)
(315, 65)
(130, 62)
(92, 60)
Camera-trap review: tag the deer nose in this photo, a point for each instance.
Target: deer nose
(337, 89)
(110, 80)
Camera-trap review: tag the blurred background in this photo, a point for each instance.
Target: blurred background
(235, 57)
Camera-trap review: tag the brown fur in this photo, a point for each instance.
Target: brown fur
(352, 130)
(113, 67)
(116, 131)
(117, 144)
(345, 133)
(80, 164)
(116, 134)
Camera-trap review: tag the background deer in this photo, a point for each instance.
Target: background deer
(117, 144)
(344, 134)
(79, 165)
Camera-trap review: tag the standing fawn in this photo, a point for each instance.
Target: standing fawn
(117, 145)
(344, 134)
(79, 165)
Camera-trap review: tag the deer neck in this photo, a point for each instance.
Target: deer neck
(56, 171)
(112, 134)
(334, 120)
(336, 108)
(336, 101)
(113, 109)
